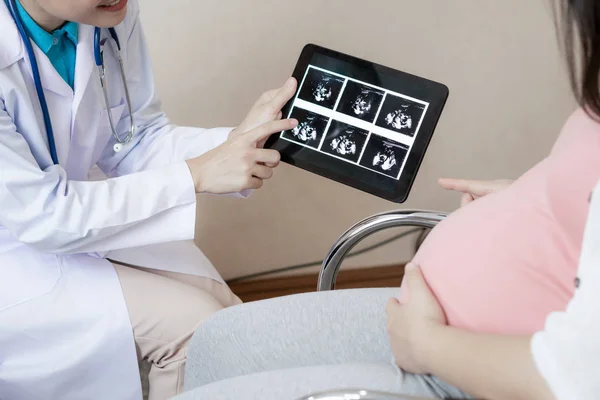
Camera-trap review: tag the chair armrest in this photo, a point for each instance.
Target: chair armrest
(364, 229)
(355, 394)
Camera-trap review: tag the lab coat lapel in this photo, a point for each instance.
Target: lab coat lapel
(58, 93)
(11, 45)
(84, 66)
(51, 80)
(86, 107)
(12, 50)
(58, 97)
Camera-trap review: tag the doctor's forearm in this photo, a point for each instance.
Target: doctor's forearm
(493, 367)
(74, 217)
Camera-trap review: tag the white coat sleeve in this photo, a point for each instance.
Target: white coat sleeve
(567, 351)
(46, 210)
(157, 142)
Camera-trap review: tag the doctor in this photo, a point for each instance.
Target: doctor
(72, 325)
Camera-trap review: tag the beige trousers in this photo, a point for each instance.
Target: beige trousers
(165, 309)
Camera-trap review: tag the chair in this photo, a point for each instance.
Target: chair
(332, 264)
(365, 228)
(327, 280)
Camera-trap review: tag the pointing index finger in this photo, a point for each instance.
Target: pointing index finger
(269, 128)
(477, 188)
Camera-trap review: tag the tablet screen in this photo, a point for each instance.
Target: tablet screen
(359, 123)
(364, 125)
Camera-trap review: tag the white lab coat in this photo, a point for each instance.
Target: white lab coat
(64, 328)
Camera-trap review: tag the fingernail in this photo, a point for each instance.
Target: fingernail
(289, 82)
(294, 122)
(410, 266)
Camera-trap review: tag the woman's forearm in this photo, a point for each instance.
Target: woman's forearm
(493, 367)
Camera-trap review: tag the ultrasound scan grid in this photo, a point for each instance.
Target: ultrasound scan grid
(310, 129)
(360, 101)
(400, 115)
(384, 155)
(345, 141)
(370, 127)
(321, 88)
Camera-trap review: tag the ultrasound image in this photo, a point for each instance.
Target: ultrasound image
(321, 88)
(310, 129)
(400, 115)
(384, 155)
(360, 101)
(345, 141)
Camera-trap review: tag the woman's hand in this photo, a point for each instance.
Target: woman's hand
(410, 324)
(267, 108)
(239, 163)
(472, 189)
(487, 366)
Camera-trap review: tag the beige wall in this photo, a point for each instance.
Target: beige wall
(508, 100)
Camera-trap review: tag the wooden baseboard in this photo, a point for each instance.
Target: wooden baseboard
(385, 276)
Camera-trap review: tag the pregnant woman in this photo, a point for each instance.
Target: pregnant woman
(487, 279)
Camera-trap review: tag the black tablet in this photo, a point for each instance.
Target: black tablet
(360, 123)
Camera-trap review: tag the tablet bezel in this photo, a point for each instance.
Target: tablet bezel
(393, 190)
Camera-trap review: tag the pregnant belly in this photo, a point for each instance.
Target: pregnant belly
(499, 265)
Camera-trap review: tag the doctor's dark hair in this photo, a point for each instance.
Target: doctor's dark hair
(579, 26)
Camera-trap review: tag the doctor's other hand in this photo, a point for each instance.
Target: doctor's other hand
(239, 163)
(267, 108)
(473, 189)
(412, 324)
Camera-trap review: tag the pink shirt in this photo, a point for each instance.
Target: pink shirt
(504, 262)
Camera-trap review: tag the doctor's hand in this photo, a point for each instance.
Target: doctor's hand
(267, 108)
(410, 325)
(239, 163)
(472, 190)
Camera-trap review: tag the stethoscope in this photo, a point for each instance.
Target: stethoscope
(99, 58)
